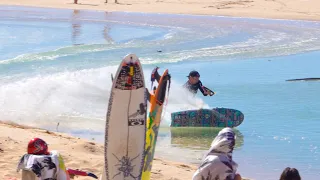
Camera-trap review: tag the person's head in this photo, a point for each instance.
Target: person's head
(194, 77)
(224, 142)
(290, 174)
(37, 146)
(222, 147)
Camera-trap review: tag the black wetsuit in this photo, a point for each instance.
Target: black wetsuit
(193, 88)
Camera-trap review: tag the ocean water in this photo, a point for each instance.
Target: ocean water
(55, 67)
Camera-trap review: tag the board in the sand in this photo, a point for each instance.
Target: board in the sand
(156, 106)
(126, 122)
(217, 117)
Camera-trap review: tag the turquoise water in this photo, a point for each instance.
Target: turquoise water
(55, 66)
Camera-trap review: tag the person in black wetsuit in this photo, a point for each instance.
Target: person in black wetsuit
(193, 83)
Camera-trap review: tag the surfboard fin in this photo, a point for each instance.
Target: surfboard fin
(154, 89)
(149, 96)
(169, 79)
(154, 76)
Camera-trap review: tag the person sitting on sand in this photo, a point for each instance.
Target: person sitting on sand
(41, 163)
(290, 174)
(217, 163)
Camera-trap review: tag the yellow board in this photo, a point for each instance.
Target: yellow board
(153, 123)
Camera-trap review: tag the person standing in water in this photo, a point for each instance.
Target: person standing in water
(194, 83)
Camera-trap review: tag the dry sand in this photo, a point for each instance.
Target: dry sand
(86, 155)
(77, 153)
(278, 9)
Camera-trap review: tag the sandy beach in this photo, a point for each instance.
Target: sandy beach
(88, 155)
(77, 153)
(277, 9)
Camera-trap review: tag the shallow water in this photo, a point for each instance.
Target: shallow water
(55, 66)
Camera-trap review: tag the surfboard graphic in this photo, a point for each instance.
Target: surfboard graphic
(156, 100)
(126, 123)
(217, 117)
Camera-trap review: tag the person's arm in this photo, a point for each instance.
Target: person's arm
(203, 91)
(202, 172)
(76, 172)
(213, 167)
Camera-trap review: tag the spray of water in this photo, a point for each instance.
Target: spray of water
(75, 99)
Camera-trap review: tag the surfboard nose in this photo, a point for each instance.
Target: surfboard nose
(131, 58)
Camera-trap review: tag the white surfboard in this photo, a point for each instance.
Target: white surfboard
(126, 123)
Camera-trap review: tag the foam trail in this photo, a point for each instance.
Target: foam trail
(74, 97)
(57, 96)
(178, 100)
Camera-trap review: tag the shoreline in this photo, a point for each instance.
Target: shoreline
(233, 9)
(166, 13)
(14, 139)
